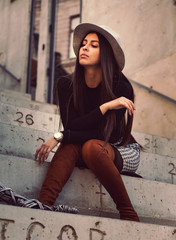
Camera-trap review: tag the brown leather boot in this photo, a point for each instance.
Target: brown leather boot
(100, 161)
(59, 171)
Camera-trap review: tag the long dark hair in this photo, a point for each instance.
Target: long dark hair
(110, 72)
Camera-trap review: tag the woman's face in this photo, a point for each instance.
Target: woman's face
(89, 52)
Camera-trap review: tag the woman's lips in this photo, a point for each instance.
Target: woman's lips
(83, 55)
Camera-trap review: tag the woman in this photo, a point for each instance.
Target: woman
(92, 105)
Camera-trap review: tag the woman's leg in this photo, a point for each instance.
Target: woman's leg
(100, 161)
(60, 169)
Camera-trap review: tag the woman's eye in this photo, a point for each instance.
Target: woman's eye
(83, 43)
(94, 46)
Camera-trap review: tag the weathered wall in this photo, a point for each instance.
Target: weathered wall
(66, 9)
(14, 25)
(148, 34)
(43, 52)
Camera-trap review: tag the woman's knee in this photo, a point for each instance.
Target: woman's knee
(90, 150)
(93, 149)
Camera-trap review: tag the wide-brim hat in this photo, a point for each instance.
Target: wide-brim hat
(112, 37)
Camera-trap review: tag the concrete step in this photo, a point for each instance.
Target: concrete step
(23, 142)
(22, 223)
(156, 144)
(24, 117)
(15, 94)
(21, 101)
(157, 167)
(152, 200)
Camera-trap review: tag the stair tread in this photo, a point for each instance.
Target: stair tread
(23, 223)
(23, 117)
(15, 94)
(27, 103)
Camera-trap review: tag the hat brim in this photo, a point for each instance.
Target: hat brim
(84, 28)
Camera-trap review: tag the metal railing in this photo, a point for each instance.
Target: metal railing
(9, 73)
(151, 90)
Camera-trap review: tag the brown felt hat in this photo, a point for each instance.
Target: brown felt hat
(112, 37)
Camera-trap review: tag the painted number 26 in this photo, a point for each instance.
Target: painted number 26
(28, 119)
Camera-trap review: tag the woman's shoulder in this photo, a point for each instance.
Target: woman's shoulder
(124, 87)
(65, 81)
(125, 83)
(64, 85)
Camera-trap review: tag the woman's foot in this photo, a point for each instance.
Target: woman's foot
(128, 213)
(34, 203)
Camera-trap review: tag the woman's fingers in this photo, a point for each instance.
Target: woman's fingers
(43, 151)
(130, 107)
(118, 103)
(125, 102)
(37, 152)
(43, 155)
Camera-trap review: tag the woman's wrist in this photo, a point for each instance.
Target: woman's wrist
(58, 136)
(104, 108)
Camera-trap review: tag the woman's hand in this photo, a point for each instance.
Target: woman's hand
(118, 103)
(43, 151)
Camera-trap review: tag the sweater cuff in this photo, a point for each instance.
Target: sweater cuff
(66, 136)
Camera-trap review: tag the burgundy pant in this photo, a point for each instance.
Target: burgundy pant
(100, 161)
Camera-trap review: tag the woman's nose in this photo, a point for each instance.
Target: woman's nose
(85, 47)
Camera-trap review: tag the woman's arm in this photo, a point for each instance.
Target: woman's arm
(79, 137)
(69, 136)
(118, 103)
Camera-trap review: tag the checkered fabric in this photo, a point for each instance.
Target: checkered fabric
(130, 155)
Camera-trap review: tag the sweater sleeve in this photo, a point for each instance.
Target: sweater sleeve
(80, 137)
(123, 88)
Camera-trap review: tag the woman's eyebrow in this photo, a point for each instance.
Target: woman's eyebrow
(91, 40)
(95, 41)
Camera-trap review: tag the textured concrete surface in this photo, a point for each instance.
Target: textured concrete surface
(157, 167)
(21, 141)
(21, 100)
(21, 223)
(151, 199)
(156, 144)
(24, 117)
(15, 94)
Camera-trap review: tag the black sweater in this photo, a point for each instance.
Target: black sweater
(79, 129)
